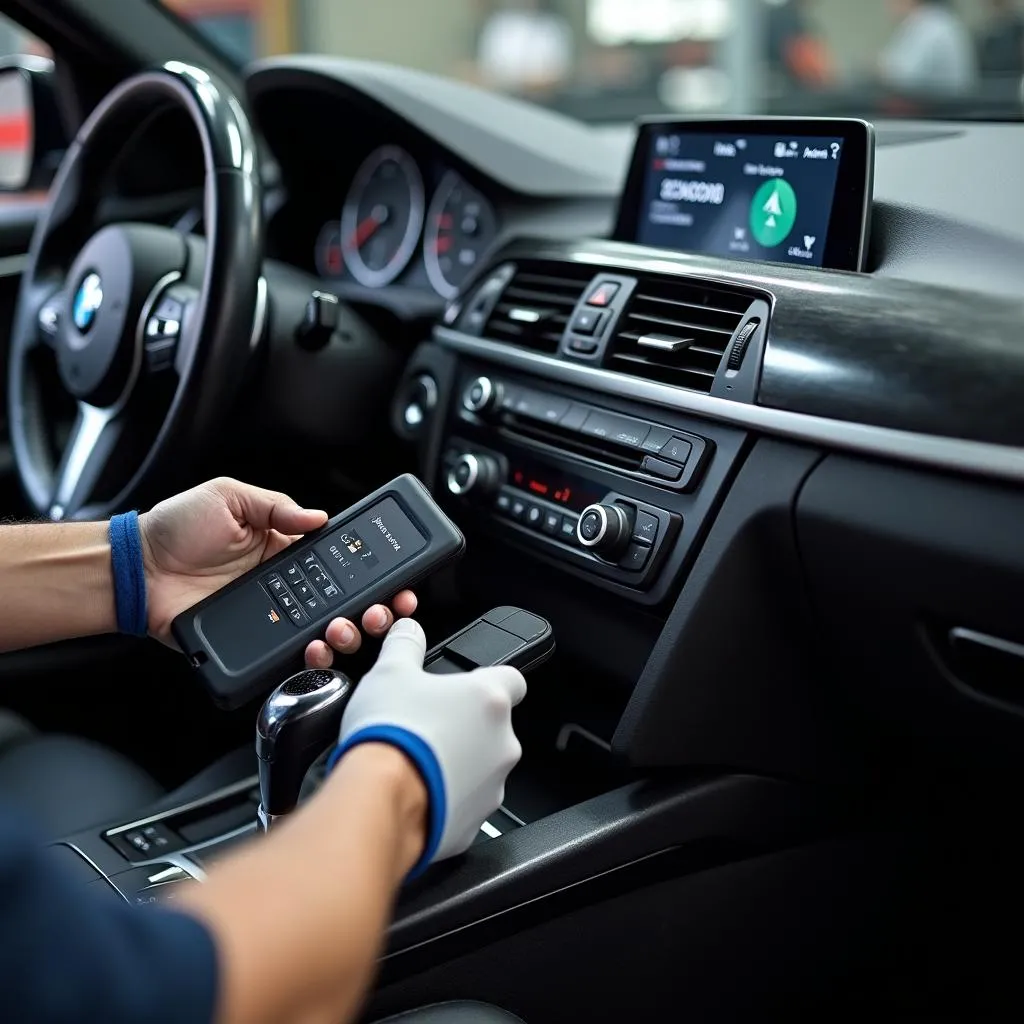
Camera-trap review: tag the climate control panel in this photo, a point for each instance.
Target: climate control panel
(562, 515)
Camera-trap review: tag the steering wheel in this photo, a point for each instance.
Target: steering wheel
(140, 330)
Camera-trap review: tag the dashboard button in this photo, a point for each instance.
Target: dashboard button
(664, 470)
(603, 294)
(575, 417)
(567, 531)
(518, 508)
(645, 529)
(504, 503)
(552, 523)
(677, 450)
(536, 406)
(656, 440)
(588, 321)
(635, 558)
(620, 429)
(591, 525)
(584, 346)
(534, 516)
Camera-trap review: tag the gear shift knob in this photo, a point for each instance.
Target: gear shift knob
(298, 721)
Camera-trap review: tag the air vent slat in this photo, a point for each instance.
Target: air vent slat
(705, 318)
(680, 304)
(536, 305)
(524, 295)
(681, 325)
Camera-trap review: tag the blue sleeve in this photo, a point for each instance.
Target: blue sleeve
(71, 954)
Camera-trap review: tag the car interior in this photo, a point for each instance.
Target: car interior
(767, 509)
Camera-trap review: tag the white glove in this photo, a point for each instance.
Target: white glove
(456, 729)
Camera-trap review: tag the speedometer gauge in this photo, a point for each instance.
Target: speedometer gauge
(382, 217)
(461, 225)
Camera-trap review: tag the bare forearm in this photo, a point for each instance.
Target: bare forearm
(55, 583)
(299, 918)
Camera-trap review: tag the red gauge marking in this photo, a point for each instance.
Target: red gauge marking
(365, 231)
(443, 244)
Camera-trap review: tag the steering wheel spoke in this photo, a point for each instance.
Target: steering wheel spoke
(93, 441)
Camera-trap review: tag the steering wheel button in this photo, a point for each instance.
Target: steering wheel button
(169, 309)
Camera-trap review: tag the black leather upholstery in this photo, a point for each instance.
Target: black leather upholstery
(64, 784)
(455, 1013)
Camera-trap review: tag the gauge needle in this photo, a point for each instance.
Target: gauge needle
(368, 225)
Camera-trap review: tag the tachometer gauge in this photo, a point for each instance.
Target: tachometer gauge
(328, 258)
(382, 217)
(461, 225)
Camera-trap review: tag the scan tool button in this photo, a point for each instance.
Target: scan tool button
(275, 585)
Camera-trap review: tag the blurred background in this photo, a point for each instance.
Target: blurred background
(611, 60)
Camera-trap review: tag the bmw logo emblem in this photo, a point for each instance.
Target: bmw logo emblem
(88, 300)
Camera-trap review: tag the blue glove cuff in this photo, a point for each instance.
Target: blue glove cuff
(425, 761)
(129, 574)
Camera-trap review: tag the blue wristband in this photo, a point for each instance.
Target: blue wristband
(425, 761)
(129, 574)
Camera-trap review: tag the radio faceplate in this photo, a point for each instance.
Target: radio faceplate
(618, 496)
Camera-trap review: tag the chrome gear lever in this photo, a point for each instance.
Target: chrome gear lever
(296, 724)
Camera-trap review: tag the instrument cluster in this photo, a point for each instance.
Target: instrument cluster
(397, 222)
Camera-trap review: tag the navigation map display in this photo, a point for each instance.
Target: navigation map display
(793, 191)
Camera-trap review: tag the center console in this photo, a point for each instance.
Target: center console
(611, 494)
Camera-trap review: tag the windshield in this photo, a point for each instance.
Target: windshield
(612, 60)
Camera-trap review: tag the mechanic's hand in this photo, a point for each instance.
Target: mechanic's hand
(461, 724)
(343, 637)
(198, 541)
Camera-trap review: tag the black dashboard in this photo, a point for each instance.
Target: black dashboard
(711, 409)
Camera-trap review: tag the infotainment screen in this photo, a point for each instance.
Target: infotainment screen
(781, 190)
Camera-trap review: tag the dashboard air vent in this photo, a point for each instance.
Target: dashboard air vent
(536, 305)
(676, 331)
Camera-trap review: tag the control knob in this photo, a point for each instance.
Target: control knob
(482, 396)
(474, 474)
(604, 529)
